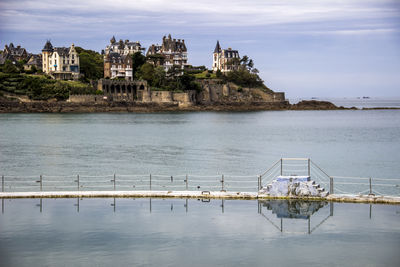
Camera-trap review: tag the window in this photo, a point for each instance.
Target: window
(73, 56)
(63, 61)
(72, 61)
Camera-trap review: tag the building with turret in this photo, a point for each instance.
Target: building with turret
(225, 60)
(60, 62)
(172, 51)
(118, 60)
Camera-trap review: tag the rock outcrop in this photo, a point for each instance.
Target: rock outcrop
(293, 187)
(315, 105)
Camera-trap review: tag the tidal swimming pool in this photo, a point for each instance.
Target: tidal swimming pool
(182, 232)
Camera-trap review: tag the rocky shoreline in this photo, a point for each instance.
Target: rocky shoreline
(7, 106)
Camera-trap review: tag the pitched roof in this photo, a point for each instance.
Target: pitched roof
(231, 53)
(62, 51)
(48, 47)
(217, 48)
(35, 60)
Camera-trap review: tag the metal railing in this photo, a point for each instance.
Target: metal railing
(335, 184)
(128, 182)
(223, 182)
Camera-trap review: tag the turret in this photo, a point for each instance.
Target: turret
(48, 47)
(217, 48)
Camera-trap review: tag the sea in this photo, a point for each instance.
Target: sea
(182, 232)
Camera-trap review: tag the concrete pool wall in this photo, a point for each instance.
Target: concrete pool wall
(197, 194)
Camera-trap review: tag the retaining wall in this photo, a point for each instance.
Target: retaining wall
(86, 99)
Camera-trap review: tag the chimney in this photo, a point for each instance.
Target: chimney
(183, 40)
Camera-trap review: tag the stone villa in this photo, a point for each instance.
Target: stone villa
(60, 62)
(225, 60)
(173, 52)
(117, 58)
(13, 53)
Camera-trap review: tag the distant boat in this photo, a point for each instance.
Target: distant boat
(366, 97)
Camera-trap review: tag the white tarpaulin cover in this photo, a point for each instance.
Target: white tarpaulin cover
(301, 186)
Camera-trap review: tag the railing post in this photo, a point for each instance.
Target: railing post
(186, 182)
(2, 183)
(222, 183)
(150, 182)
(281, 166)
(41, 183)
(259, 182)
(309, 168)
(370, 186)
(77, 180)
(172, 179)
(114, 181)
(330, 185)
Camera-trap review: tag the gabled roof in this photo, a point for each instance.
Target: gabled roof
(15, 50)
(35, 60)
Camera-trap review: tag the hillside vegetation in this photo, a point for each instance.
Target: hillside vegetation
(40, 87)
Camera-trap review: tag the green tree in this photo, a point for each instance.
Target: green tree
(219, 74)
(159, 77)
(146, 72)
(138, 59)
(91, 64)
(156, 59)
(9, 67)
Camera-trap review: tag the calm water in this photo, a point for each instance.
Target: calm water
(176, 233)
(344, 143)
(179, 232)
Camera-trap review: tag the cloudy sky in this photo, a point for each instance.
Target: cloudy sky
(329, 48)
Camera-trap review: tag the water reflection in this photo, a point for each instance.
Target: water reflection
(308, 214)
(294, 210)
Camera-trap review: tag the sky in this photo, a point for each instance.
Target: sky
(305, 48)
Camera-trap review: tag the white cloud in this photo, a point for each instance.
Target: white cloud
(207, 13)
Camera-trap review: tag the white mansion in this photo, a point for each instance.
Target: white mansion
(60, 62)
(225, 60)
